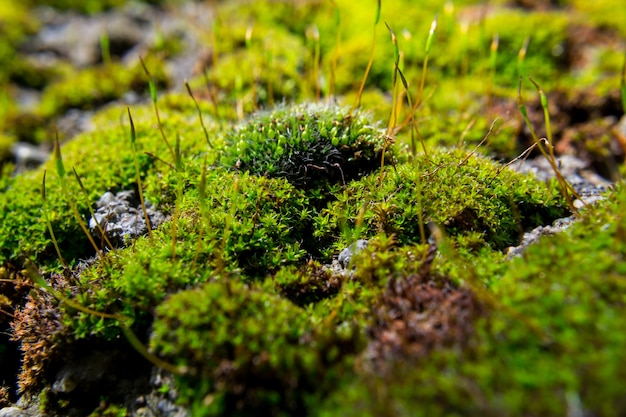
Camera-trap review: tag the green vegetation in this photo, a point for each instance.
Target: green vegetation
(276, 158)
(310, 146)
(241, 337)
(467, 195)
(551, 334)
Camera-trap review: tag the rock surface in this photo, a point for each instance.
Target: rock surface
(121, 217)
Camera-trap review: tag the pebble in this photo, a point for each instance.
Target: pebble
(345, 256)
(122, 217)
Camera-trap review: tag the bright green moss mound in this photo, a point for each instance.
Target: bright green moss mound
(246, 350)
(552, 340)
(245, 228)
(309, 145)
(104, 161)
(466, 195)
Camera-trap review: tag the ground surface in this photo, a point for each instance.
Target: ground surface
(227, 208)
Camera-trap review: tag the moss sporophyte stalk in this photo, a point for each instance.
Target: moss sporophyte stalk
(340, 210)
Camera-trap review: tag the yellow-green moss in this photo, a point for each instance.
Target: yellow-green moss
(90, 88)
(15, 25)
(242, 337)
(551, 340)
(461, 193)
(104, 161)
(233, 287)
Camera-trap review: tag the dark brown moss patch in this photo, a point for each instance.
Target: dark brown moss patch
(417, 315)
(307, 284)
(36, 326)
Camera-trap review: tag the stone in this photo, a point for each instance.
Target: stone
(121, 217)
(345, 256)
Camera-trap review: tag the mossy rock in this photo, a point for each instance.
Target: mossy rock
(244, 229)
(104, 161)
(232, 288)
(312, 146)
(463, 193)
(550, 338)
(246, 351)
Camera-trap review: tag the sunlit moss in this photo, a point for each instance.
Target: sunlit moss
(234, 287)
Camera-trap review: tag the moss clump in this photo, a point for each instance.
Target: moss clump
(246, 228)
(223, 290)
(246, 351)
(463, 194)
(550, 338)
(307, 284)
(312, 146)
(104, 160)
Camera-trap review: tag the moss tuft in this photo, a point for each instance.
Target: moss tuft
(463, 194)
(307, 284)
(246, 351)
(309, 145)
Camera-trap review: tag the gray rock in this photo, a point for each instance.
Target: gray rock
(345, 256)
(13, 412)
(28, 156)
(160, 401)
(588, 185)
(122, 218)
(26, 407)
(76, 37)
(533, 236)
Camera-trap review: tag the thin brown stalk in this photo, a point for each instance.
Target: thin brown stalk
(195, 102)
(153, 95)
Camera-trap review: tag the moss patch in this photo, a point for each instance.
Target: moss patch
(550, 334)
(464, 194)
(234, 289)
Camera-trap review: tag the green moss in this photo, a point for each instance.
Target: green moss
(308, 284)
(15, 25)
(467, 124)
(272, 72)
(224, 288)
(550, 342)
(90, 88)
(246, 351)
(246, 228)
(547, 50)
(104, 161)
(5, 146)
(461, 194)
(312, 146)
(601, 14)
